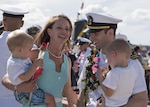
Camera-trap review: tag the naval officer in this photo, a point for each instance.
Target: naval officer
(12, 20)
(102, 29)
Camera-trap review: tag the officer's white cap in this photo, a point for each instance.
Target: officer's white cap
(97, 21)
(84, 40)
(103, 18)
(13, 11)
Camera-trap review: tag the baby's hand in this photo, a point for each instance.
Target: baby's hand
(38, 62)
(102, 74)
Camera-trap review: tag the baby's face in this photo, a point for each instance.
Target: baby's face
(26, 50)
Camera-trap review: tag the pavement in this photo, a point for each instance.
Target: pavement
(65, 103)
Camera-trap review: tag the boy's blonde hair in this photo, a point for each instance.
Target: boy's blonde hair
(18, 38)
(120, 46)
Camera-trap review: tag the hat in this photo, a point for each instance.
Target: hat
(83, 40)
(100, 21)
(34, 29)
(13, 12)
(121, 36)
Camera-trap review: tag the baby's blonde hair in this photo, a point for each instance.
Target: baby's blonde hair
(120, 46)
(18, 38)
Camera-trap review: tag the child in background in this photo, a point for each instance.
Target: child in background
(119, 82)
(74, 73)
(21, 69)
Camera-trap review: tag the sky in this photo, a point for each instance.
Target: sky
(134, 13)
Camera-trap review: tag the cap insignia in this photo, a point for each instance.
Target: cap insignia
(90, 20)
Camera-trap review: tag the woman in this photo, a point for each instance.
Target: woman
(55, 78)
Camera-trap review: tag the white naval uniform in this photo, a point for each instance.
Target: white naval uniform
(93, 95)
(7, 98)
(83, 59)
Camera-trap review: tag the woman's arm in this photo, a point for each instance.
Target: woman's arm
(19, 88)
(67, 91)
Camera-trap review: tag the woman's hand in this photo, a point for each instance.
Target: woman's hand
(27, 87)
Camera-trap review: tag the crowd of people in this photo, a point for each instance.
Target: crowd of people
(99, 73)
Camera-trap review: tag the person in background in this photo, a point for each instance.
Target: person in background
(74, 73)
(92, 46)
(74, 69)
(138, 53)
(85, 51)
(102, 28)
(117, 85)
(56, 76)
(34, 30)
(12, 20)
(148, 57)
(147, 73)
(21, 69)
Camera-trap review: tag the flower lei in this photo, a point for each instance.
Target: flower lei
(80, 57)
(39, 70)
(91, 82)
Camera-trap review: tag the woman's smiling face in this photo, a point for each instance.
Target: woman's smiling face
(60, 31)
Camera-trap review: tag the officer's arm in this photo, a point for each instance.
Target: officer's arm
(138, 100)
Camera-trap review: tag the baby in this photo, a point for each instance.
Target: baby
(21, 69)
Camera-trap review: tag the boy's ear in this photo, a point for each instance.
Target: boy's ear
(114, 53)
(19, 49)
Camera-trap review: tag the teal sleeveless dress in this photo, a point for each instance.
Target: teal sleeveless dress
(52, 81)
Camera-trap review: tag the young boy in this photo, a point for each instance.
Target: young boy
(21, 69)
(120, 80)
